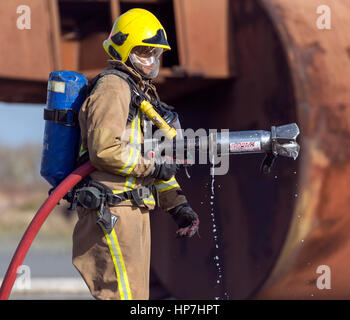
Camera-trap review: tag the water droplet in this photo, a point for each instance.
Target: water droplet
(201, 202)
(299, 216)
(302, 241)
(296, 195)
(295, 172)
(276, 177)
(214, 229)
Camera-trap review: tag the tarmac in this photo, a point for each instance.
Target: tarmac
(47, 273)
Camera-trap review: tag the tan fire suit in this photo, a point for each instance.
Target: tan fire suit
(117, 265)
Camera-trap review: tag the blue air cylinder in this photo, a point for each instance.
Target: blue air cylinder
(66, 92)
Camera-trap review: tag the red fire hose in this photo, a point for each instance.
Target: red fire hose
(36, 224)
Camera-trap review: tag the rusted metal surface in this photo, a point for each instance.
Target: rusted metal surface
(203, 38)
(30, 90)
(115, 9)
(68, 35)
(30, 53)
(288, 69)
(274, 231)
(253, 212)
(90, 55)
(319, 235)
(70, 50)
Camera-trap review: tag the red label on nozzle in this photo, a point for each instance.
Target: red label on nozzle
(245, 146)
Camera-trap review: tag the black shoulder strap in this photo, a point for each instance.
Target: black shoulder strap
(116, 72)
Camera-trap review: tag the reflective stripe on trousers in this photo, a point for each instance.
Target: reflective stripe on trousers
(119, 265)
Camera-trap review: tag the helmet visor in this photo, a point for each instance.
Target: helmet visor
(145, 60)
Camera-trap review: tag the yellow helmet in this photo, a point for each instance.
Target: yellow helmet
(136, 27)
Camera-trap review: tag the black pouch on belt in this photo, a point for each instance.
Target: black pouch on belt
(94, 197)
(106, 219)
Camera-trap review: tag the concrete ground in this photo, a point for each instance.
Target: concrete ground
(50, 272)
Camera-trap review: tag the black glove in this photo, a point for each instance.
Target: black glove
(164, 171)
(186, 219)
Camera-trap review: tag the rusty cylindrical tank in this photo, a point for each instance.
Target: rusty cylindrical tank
(274, 231)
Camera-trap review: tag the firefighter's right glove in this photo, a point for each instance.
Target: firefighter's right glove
(186, 219)
(164, 171)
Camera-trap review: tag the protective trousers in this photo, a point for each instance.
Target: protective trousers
(115, 265)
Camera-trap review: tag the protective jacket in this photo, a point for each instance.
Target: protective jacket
(114, 142)
(116, 265)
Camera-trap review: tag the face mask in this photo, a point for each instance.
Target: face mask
(146, 60)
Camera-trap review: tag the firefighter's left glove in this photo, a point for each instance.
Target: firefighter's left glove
(186, 219)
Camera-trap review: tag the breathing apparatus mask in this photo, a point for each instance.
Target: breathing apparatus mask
(145, 59)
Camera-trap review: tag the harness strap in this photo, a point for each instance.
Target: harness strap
(124, 76)
(66, 117)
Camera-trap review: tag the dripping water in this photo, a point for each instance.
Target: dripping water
(217, 262)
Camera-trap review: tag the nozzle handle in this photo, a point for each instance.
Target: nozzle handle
(153, 115)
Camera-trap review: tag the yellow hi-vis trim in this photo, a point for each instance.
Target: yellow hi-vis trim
(82, 150)
(135, 137)
(162, 185)
(125, 275)
(134, 153)
(119, 265)
(129, 183)
(138, 142)
(149, 200)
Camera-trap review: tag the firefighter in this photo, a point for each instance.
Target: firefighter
(111, 245)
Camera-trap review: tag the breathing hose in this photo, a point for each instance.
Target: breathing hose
(36, 223)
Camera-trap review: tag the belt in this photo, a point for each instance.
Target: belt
(137, 194)
(94, 195)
